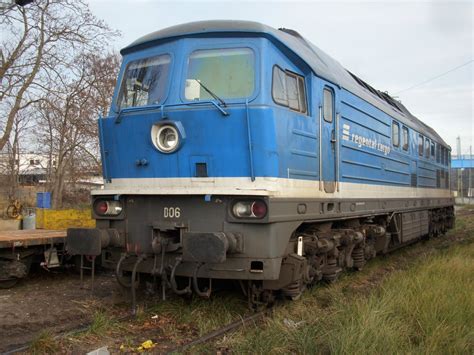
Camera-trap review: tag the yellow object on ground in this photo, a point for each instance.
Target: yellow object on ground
(146, 345)
(62, 219)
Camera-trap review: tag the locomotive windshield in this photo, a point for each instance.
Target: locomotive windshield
(226, 73)
(144, 82)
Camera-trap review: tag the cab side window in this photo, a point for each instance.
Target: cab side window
(292, 92)
(420, 145)
(405, 138)
(328, 105)
(395, 134)
(279, 87)
(288, 89)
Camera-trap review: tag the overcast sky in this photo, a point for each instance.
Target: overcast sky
(393, 45)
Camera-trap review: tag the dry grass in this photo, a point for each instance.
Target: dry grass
(418, 301)
(199, 316)
(44, 343)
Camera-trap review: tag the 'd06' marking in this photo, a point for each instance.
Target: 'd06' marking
(171, 212)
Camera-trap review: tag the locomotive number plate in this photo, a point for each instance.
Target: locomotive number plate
(171, 212)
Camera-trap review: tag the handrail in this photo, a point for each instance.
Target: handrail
(249, 134)
(336, 136)
(118, 118)
(102, 150)
(320, 148)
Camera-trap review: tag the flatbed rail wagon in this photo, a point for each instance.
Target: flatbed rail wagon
(19, 249)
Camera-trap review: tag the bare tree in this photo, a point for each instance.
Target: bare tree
(104, 69)
(68, 119)
(19, 130)
(11, 163)
(39, 44)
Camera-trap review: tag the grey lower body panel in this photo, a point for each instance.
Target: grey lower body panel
(261, 244)
(290, 209)
(233, 268)
(414, 225)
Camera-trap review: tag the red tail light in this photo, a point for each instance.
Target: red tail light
(259, 209)
(107, 208)
(101, 207)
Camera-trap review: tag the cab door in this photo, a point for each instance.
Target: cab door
(328, 139)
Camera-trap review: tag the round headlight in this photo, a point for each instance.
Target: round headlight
(167, 138)
(242, 209)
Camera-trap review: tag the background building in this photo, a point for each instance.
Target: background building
(462, 177)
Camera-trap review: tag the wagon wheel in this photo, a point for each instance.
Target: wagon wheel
(8, 283)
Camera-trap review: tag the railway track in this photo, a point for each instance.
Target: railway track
(176, 349)
(221, 331)
(78, 329)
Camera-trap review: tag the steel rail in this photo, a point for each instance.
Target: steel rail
(221, 331)
(81, 328)
(203, 339)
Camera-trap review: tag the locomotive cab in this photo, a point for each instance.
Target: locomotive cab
(193, 105)
(190, 152)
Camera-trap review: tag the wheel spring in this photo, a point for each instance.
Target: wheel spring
(331, 270)
(358, 257)
(293, 290)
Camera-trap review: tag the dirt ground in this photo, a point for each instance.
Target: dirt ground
(51, 301)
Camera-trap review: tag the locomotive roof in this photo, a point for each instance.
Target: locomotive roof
(321, 63)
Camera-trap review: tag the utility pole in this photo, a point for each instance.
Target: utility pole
(470, 191)
(458, 148)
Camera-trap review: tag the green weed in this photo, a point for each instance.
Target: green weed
(426, 306)
(101, 323)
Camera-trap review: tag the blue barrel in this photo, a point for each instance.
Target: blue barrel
(43, 200)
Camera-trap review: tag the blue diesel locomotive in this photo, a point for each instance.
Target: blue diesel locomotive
(233, 150)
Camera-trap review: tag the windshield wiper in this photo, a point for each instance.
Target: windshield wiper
(211, 93)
